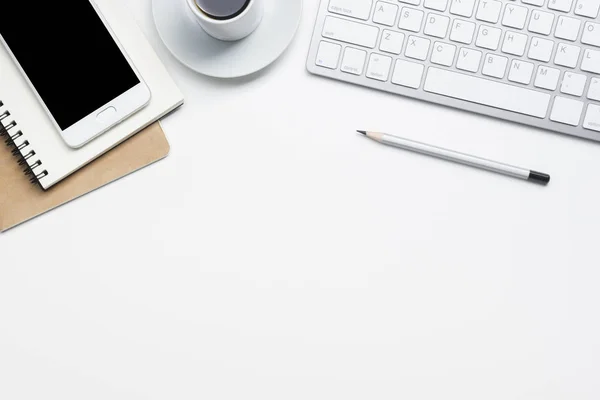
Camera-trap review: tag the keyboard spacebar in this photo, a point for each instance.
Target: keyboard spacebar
(489, 93)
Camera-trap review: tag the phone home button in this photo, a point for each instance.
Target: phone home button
(107, 115)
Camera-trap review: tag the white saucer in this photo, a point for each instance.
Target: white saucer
(193, 47)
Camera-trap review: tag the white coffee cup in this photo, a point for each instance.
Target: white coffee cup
(236, 27)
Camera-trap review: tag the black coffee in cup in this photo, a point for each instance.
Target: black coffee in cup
(222, 9)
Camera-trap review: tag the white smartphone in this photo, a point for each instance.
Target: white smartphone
(74, 64)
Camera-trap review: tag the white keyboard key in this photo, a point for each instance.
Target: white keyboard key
(464, 8)
(494, 65)
(567, 28)
(541, 22)
(354, 61)
(462, 31)
(486, 92)
(594, 91)
(489, 11)
(520, 72)
(391, 42)
(567, 55)
(547, 78)
(379, 67)
(541, 49)
(566, 111)
(443, 54)
(591, 34)
(488, 37)
(538, 3)
(436, 25)
(411, 19)
(385, 13)
(328, 55)
(515, 16)
(591, 61)
(417, 48)
(408, 74)
(592, 118)
(469, 60)
(560, 5)
(587, 8)
(360, 9)
(350, 32)
(413, 2)
(573, 84)
(439, 5)
(514, 43)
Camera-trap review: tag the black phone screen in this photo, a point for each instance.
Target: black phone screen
(68, 55)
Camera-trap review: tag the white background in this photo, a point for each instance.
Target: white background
(278, 255)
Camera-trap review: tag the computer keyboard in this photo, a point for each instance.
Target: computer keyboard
(535, 62)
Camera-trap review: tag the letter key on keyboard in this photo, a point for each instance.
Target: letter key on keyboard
(535, 62)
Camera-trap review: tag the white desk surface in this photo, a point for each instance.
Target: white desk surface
(278, 255)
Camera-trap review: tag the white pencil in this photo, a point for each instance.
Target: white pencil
(457, 157)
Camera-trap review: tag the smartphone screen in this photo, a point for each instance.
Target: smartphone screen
(68, 55)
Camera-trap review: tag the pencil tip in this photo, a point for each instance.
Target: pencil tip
(363, 132)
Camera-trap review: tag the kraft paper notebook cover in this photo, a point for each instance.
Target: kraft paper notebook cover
(42, 150)
(21, 200)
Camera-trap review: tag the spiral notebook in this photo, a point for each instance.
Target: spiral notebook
(44, 156)
(21, 201)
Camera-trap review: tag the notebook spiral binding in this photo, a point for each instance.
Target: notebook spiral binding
(21, 148)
